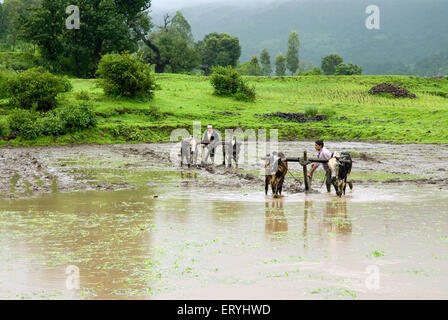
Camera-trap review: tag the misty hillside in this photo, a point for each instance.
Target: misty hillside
(410, 29)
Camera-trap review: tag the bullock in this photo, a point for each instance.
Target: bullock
(276, 170)
(231, 150)
(340, 166)
(189, 151)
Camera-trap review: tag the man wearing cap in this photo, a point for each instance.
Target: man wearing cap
(211, 139)
(322, 154)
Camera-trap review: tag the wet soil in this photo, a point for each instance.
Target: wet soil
(28, 172)
(136, 226)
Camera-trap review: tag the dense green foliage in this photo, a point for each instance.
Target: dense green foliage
(292, 56)
(280, 65)
(227, 82)
(219, 50)
(3, 86)
(105, 27)
(125, 75)
(18, 61)
(175, 42)
(348, 69)
(265, 60)
(32, 125)
(36, 89)
(330, 62)
(250, 68)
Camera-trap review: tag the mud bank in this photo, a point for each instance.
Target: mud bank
(28, 172)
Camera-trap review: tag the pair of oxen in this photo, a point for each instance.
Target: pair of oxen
(191, 148)
(276, 166)
(340, 166)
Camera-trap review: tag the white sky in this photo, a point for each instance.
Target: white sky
(179, 4)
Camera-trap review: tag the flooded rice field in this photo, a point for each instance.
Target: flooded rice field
(123, 222)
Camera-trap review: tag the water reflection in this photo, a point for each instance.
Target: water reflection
(276, 221)
(336, 219)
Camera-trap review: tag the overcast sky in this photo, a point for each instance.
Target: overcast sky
(179, 4)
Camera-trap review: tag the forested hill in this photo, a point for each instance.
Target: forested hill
(411, 30)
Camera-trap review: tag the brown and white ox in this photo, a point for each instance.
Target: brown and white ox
(340, 166)
(276, 170)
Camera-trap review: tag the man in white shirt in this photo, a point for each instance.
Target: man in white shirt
(322, 154)
(211, 138)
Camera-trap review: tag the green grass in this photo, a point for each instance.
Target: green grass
(353, 113)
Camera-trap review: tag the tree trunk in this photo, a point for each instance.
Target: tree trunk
(160, 65)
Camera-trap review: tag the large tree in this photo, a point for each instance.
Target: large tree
(330, 62)
(292, 56)
(265, 60)
(12, 10)
(3, 25)
(280, 65)
(105, 26)
(219, 50)
(175, 44)
(250, 68)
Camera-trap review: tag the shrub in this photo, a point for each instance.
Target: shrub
(348, 69)
(245, 93)
(3, 83)
(82, 95)
(36, 88)
(23, 123)
(77, 117)
(31, 124)
(4, 128)
(51, 125)
(125, 75)
(227, 82)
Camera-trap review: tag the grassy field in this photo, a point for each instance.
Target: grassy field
(182, 99)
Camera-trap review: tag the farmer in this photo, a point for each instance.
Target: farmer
(322, 154)
(210, 140)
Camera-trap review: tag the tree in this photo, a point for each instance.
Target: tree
(348, 69)
(330, 62)
(280, 65)
(12, 10)
(180, 23)
(251, 68)
(219, 50)
(305, 66)
(175, 44)
(265, 60)
(106, 26)
(3, 25)
(292, 56)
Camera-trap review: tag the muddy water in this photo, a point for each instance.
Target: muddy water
(153, 231)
